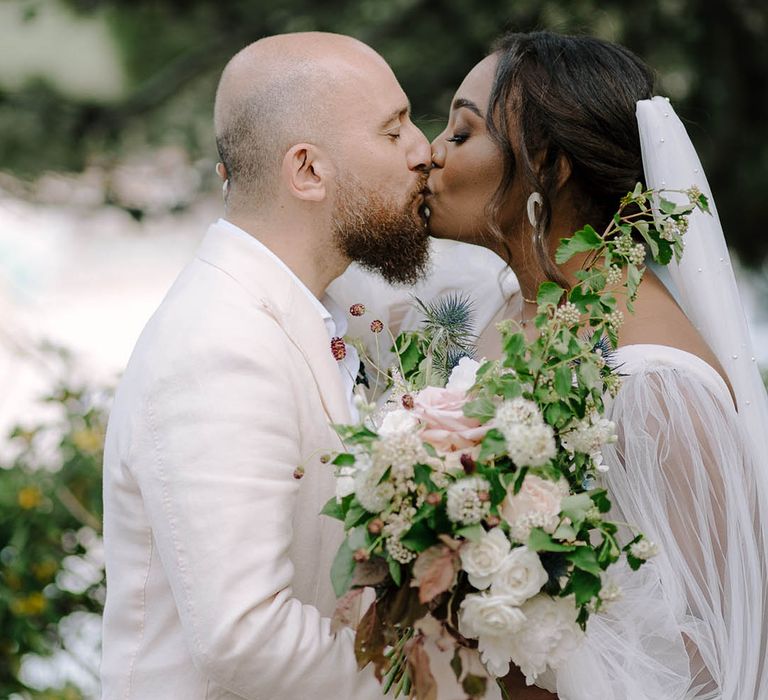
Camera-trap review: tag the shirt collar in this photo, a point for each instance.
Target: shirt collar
(330, 322)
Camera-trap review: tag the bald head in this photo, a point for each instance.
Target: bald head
(280, 91)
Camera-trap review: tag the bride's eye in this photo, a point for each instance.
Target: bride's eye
(458, 139)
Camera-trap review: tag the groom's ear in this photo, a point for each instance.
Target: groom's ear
(305, 172)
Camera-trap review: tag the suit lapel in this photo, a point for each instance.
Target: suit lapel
(274, 289)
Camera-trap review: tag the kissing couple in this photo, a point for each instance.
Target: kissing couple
(217, 558)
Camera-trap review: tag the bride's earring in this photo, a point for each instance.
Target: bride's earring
(533, 200)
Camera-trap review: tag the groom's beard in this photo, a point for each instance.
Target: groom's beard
(380, 234)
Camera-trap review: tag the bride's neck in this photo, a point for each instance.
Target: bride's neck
(526, 264)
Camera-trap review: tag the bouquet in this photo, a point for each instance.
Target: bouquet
(472, 503)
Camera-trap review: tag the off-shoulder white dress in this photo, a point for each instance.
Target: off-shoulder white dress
(691, 624)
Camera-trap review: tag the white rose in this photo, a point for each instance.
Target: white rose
(482, 614)
(398, 421)
(463, 375)
(493, 621)
(483, 558)
(520, 575)
(549, 636)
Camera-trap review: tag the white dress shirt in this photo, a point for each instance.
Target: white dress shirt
(333, 316)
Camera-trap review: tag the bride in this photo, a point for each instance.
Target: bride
(546, 135)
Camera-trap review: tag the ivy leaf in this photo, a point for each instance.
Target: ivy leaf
(333, 509)
(600, 499)
(343, 569)
(582, 299)
(355, 515)
(540, 541)
(482, 408)
(563, 380)
(580, 242)
(665, 252)
(585, 586)
(589, 374)
(395, 571)
(514, 345)
(549, 293)
(473, 533)
(407, 348)
(419, 537)
(493, 444)
(584, 558)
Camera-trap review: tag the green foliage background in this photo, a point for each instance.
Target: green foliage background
(50, 534)
(710, 56)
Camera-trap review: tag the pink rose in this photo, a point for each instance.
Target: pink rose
(446, 427)
(536, 504)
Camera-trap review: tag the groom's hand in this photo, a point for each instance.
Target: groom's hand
(514, 682)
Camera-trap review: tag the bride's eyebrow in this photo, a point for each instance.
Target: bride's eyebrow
(460, 102)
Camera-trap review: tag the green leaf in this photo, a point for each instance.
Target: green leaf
(343, 569)
(585, 586)
(419, 537)
(582, 299)
(584, 558)
(483, 370)
(333, 509)
(355, 515)
(549, 293)
(395, 571)
(563, 380)
(519, 479)
(344, 459)
(665, 252)
(407, 347)
(581, 241)
(473, 533)
(493, 444)
(575, 507)
(540, 541)
(421, 475)
(514, 345)
(482, 408)
(600, 499)
(557, 413)
(564, 532)
(358, 538)
(589, 374)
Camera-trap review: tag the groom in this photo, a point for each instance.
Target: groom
(217, 560)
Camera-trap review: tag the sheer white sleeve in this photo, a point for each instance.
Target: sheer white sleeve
(690, 624)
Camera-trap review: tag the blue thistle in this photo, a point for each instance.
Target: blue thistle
(449, 328)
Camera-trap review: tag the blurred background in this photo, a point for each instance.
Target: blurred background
(107, 185)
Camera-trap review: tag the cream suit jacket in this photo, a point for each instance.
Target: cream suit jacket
(218, 561)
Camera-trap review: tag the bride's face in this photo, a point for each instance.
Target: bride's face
(467, 163)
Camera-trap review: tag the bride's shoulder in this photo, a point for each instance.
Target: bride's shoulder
(643, 359)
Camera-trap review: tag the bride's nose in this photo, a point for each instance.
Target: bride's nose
(438, 153)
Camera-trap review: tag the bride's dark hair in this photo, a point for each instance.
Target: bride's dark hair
(572, 96)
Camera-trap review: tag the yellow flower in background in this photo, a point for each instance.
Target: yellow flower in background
(30, 605)
(45, 570)
(30, 497)
(88, 440)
